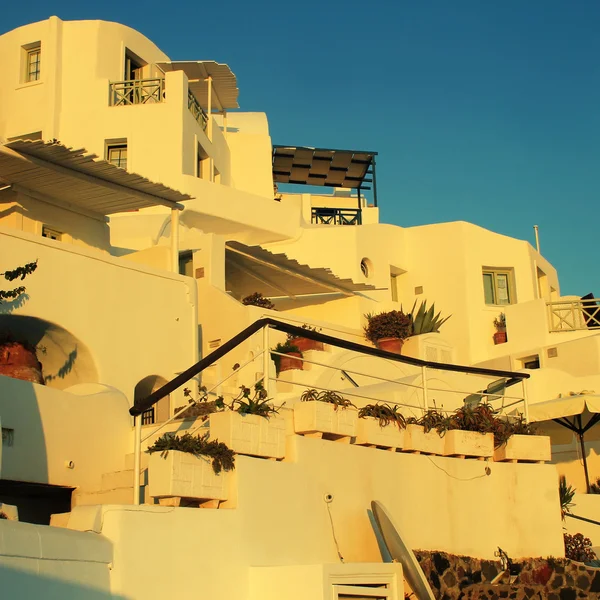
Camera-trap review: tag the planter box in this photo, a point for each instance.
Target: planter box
(535, 448)
(289, 361)
(370, 433)
(321, 417)
(304, 344)
(416, 440)
(249, 434)
(183, 475)
(469, 443)
(390, 345)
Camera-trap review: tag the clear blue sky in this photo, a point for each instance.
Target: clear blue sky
(481, 111)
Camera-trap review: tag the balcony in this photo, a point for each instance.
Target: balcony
(136, 91)
(336, 216)
(197, 111)
(574, 315)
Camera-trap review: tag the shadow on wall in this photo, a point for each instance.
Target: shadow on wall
(29, 584)
(66, 360)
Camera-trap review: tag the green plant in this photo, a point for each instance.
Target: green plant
(434, 419)
(222, 458)
(595, 487)
(283, 348)
(257, 404)
(327, 396)
(391, 324)
(384, 413)
(306, 327)
(565, 494)
(257, 299)
(578, 547)
(425, 320)
(500, 322)
(18, 273)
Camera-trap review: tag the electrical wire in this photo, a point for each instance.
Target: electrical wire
(337, 546)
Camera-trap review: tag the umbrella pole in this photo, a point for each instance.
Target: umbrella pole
(580, 433)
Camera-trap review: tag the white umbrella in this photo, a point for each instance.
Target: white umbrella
(578, 413)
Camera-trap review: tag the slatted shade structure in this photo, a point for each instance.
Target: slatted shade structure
(79, 179)
(250, 269)
(224, 95)
(322, 167)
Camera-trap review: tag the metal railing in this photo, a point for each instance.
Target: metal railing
(336, 216)
(265, 325)
(197, 111)
(573, 315)
(136, 91)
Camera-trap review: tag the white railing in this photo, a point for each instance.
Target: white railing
(573, 315)
(136, 91)
(493, 394)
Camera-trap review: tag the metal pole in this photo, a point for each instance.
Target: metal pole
(266, 359)
(137, 459)
(175, 240)
(580, 434)
(209, 111)
(424, 382)
(374, 182)
(537, 237)
(525, 401)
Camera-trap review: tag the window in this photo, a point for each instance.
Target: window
(531, 362)
(51, 233)
(116, 154)
(202, 163)
(186, 264)
(33, 61)
(498, 286)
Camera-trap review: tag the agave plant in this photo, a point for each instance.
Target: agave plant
(566, 493)
(258, 403)
(384, 413)
(425, 320)
(327, 396)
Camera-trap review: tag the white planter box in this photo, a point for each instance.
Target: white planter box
(370, 433)
(321, 417)
(183, 475)
(416, 440)
(469, 443)
(249, 434)
(535, 448)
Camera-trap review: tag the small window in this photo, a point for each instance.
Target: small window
(531, 362)
(498, 286)
(116, 154)
(366, 267)
(33, 55)
(394, 287)
(51, 233)
(186, 264)
(202, 163)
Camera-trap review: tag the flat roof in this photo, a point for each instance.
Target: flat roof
(78, 178)
(323, 167)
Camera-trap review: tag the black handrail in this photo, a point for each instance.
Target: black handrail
(243, 335)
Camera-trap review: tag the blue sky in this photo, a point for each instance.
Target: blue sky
(487, 112)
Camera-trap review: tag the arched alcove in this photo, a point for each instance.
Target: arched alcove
(161, 411)
(66, 360)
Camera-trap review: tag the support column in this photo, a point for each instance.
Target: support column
(266, 359)
(137, 460)
(175, 240)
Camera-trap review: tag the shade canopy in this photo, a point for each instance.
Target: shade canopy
(577, 413)
(322, 167)
(250, 269)
(76, 178)
(225, 92)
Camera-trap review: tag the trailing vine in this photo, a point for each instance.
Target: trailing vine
(18, 273)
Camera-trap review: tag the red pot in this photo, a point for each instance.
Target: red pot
(19, 362)
(500, 337)
(391, 345)
(304, 344)
(291, 360)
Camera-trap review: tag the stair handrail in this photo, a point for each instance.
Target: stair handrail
(143, 405)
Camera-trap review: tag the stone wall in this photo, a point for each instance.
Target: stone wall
(464, 578)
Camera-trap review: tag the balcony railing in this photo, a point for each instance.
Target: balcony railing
(336, 216)
(137, 91)
(197, 111)
(572, 315)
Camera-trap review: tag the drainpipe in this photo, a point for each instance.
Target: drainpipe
(137, 460)
(175, 240)
(209, 129)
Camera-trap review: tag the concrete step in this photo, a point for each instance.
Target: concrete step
(122, 479)
(116, 496)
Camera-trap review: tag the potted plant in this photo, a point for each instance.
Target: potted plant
(250, 424)
(470, 432)
(304, 344)
(520, 442)
(388, 330)
(425, 320)
(257, 299)
(425, 435)
(188, 466)
(291, 360)
(325, 413)
(500, 325)
(380, 425)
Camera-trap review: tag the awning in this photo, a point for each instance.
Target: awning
(577, 413)
(320, 166)
(77, 179)
(250, 269)
(224, 84)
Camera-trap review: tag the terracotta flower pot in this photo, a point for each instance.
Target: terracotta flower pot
(19, 362)
(304, 344)
(391, 345)
(291, 360)
(500, 337)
